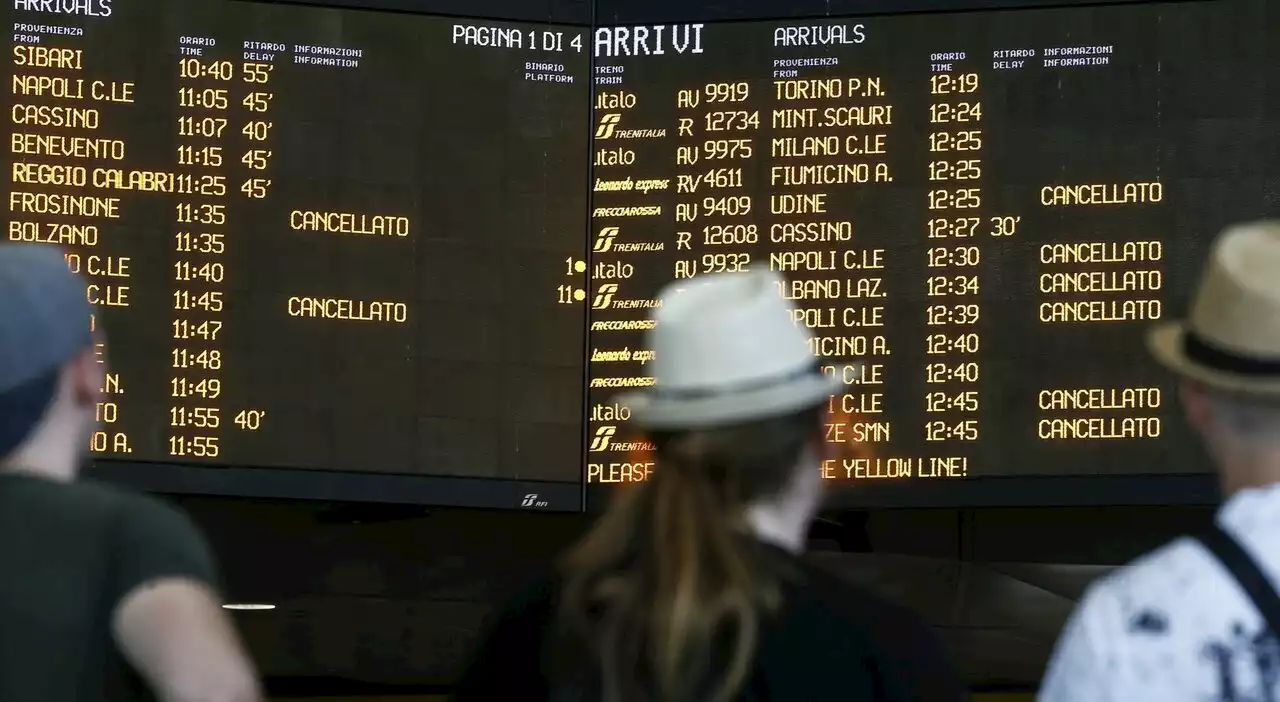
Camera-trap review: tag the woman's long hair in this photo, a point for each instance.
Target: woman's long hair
(665, 598)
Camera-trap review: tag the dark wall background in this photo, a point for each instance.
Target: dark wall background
(554, 11)
(667, 11)
(382, 600)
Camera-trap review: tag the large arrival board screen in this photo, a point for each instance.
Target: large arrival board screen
(315, 238)
(387, 243)
(986, 209)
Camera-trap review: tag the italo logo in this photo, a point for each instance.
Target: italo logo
(608, 129)
(606, 242)
(607, 299)
(620, 100)
(604, 441)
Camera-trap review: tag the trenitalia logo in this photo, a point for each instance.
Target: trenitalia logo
(608, 129)
(608, 123)
(600, 441)
(604, 296)
(606, 299)
(606, 242)
(604, 441)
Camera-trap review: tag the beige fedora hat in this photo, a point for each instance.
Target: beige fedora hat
(1231, 341)
(727, 351)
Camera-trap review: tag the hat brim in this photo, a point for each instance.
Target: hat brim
(653, 411)
(1167, 344)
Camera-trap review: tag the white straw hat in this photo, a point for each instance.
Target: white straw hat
(727, 351)
(1232, 339)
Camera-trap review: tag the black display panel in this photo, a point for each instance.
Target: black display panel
(317, 239)
(988, 209)
(507, 196)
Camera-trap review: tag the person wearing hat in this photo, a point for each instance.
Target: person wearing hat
(1197, 619)
(691, 586)
(100, 590)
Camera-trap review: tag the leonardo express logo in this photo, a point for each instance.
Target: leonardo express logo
(608, 129)
(604, 441)
(606, 242)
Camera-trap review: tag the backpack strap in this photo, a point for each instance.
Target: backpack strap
(1246, 572)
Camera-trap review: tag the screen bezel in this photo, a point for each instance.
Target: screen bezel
(451, 491)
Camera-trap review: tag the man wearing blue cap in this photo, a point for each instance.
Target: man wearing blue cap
(103, 594)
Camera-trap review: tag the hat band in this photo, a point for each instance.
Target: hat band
(1209, 354)
(753, 386)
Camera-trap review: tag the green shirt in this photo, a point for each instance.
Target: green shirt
(68, 554)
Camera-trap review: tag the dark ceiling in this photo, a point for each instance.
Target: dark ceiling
(668, 11)
(385, 595)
